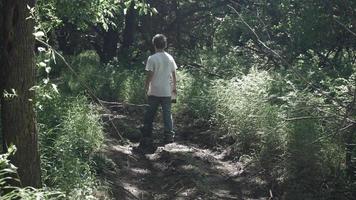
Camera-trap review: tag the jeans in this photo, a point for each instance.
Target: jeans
(153, 103)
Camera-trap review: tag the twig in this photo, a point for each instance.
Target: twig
(343, 25)
(196, 66)
(346, 127)
(122, 104)
(308, 117)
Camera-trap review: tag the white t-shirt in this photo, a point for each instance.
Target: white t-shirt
(162, 65)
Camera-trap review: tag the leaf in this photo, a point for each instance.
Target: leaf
(154, 11)
(55, 88)
(45, 80)
(41, 49)
(39, 34)
(105, 26)
(33, 88)
(48, 69)
(42, 64)
(127, 3)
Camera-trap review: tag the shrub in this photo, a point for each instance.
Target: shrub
(8, 174)
(70, 133)
(111, 82)
(194, 96)
(241, 107)
(314, 157)
(303, 166)
(243, 110)
(88, 72)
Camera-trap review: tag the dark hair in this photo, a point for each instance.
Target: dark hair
(159, 41)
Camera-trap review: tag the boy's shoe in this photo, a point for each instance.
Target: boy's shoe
(146, 146)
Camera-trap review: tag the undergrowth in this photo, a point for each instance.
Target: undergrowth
(70, 134)
(111, 82)
(263, 113)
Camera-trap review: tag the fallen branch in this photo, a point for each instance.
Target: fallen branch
(199, 66)
(121, 104)
(308, 117)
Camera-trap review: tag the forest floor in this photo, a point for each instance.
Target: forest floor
(192, 167)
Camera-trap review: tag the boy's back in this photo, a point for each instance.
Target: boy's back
(162, 65)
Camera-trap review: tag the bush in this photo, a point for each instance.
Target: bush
(303, 166)
(70, 133)
(313, 159)
(194, 96)
(8, 174)
(243, 110)
(111, 82)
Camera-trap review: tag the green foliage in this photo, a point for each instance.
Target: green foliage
(70, 132)
(240, 107)
(194, 97)
(313, 163)
(86, 13)
(111, 82)
(8, 174)
(303, 165)
(86, 66)
(47, 16)
(243, 110)
(54, 13)
(67, 142)
(264, 112)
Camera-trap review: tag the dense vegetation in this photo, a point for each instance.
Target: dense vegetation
(278, 78)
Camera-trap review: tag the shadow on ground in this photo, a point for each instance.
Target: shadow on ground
(180, 170)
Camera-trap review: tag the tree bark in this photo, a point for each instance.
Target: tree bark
(129, 30)
(17, 72)
(111, 39)
(65, 39)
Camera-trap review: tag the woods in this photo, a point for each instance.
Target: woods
(266, 87)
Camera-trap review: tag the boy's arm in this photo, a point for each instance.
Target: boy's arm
(149, 77)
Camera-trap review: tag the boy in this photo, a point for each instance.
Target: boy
(161, 70)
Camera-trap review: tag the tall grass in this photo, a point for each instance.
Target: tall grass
(70, 132)
(194, 96)
(244, 110)
(297, 157)
(9, 178)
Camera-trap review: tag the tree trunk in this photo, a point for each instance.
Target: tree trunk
(129, 30)
(111, 38)
(66, 38)
(17, 71)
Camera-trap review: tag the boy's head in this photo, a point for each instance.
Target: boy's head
(159, 41)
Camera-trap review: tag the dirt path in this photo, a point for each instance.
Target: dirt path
(180, 170)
